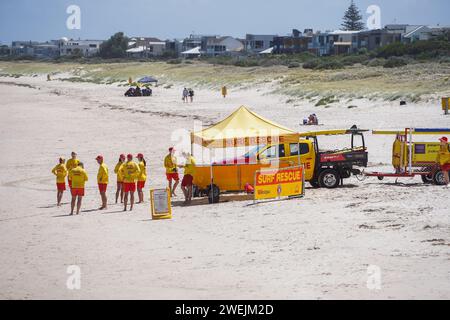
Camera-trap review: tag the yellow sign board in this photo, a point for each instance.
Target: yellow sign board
(279, 182)
(446, 104)
(160, 204)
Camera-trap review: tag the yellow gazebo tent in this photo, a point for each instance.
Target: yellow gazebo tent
(243, 128)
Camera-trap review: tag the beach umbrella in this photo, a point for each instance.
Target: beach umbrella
(147, 80)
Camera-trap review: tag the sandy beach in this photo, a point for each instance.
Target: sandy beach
(319, 247)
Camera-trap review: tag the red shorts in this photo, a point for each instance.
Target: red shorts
(173, 176)
(70, 183)
(77, 192)
(140, 185)
(102, 187)
(187, 180)
(445, 167)
(129, 187)
(61, 186)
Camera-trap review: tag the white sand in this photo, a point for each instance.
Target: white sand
(316, 248)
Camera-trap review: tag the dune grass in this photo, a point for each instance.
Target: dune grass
(413, 82)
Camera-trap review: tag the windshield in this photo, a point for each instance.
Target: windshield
(252, 153)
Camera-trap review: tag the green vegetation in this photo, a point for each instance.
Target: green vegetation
(352, 19)
(115, 47)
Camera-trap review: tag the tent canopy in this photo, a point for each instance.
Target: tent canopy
(147, 80)
(243, 128)
(195, 50)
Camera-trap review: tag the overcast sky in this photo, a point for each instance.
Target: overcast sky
(46, 19)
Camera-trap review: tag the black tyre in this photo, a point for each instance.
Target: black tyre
(438, 178)
(329, 179)
(314, 183)
(380, 178)
(213, 194)
(427, 179)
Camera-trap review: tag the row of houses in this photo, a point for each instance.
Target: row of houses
(318, 43)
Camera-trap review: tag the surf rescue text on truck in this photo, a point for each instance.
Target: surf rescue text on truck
(321, 168)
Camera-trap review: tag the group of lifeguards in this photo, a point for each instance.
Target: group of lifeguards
(131, 175)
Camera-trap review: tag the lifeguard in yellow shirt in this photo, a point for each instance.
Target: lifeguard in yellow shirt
(130, 173)
(142, 178)
(118, 172)
(78, 176)
(102, 180)
(72, 163)
(170, 163)
(60, 171)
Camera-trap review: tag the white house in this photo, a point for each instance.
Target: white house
(87, 48)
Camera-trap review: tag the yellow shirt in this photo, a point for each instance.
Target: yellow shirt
(444, 155)
(102, 175)
(72, 164)
(143, 172)
(60, 171)
(118, 171)
(78, 176)
(130, 171)
(170, 163)
(189, 167)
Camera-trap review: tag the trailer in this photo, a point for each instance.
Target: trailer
(410, 158)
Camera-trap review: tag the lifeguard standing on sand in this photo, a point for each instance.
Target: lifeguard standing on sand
(444, 158)
(78, 176)
(72, 163)
(170, 163)
(102, 180)
(130, 173)
(118, 172)
(142, 178)
(188, 178)
(60, 171)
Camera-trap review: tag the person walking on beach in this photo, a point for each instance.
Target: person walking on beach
(444, 158)
(142, 178)
(170, 163)
(60, 171)
(118, 172)
(102, 180)
(78, 176)
(224, 91)
(130, 172)
(191, 95)
(185, 95)
(72, 163)
(188, 178)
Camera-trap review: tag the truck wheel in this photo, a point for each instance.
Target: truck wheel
(214, 194)
(329, 179)
(427, 179)
(314, 183)
(438, 178)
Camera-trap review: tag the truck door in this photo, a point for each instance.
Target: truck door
(307, 156)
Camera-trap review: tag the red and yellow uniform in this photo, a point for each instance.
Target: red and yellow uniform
(142, 178)
(71, 164)
(444, 157)
(103, 177)
(60, 171)
(170, 163)
(78, 176)
(130, 172)
(189, 171)
(118, 172)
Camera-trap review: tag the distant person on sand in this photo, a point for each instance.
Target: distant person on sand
(185, 95)
(78, 176)
(72, 163)
(142, 178)
(191, 95)
(60, 171)
(170, 163)
(102, 180)
(224, 91)
(130, 172)
(118, 172)
(444, 158)
(188, 178)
